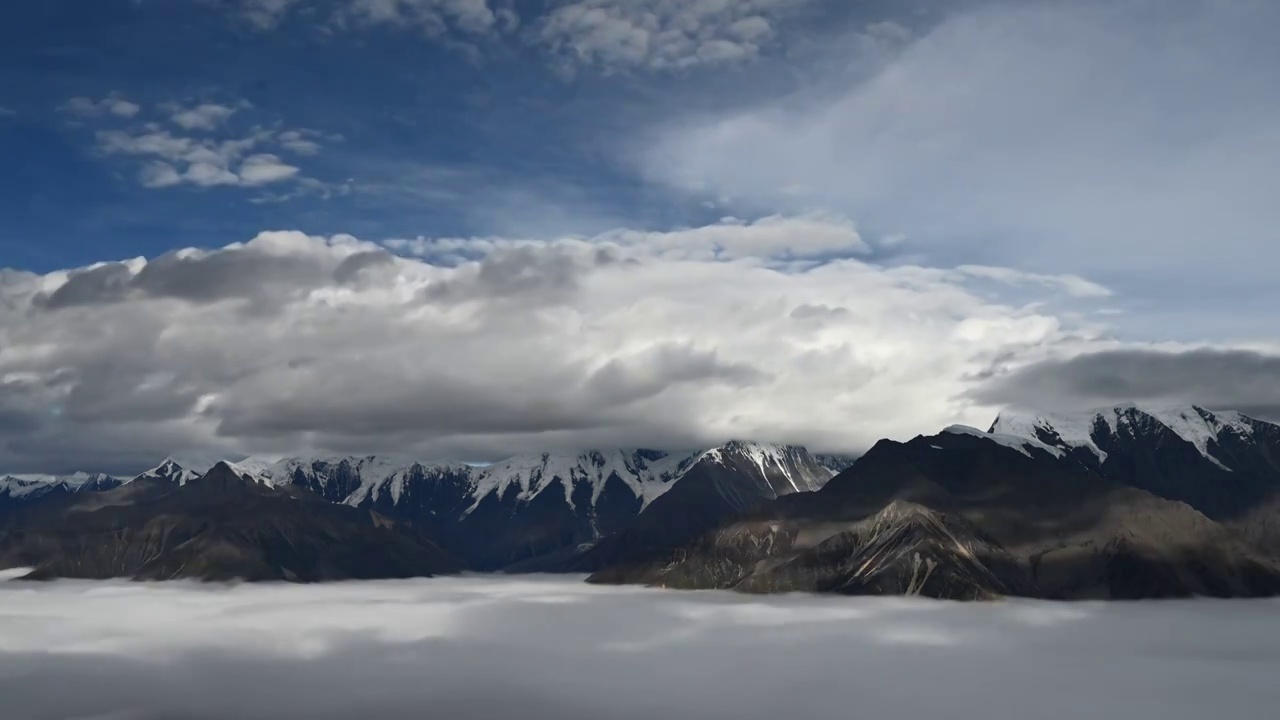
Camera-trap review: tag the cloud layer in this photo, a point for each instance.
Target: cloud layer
(480, 348)
(605, 35)
(661, 34)
(1133, 142)
(482, 648)
(1243, 380)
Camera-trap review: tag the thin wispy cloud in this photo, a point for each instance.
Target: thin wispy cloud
(1105, 139)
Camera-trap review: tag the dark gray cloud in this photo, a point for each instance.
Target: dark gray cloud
(1219, 379)
(241, 273)
(627, 380)
(264, 279)
(351, 268)
(106, 283)
(527, 274)
(559, 649)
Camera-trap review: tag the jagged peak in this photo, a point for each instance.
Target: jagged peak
(1194, 424)
(1020, 443)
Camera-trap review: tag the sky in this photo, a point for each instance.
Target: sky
(466, 229)
(483, 648)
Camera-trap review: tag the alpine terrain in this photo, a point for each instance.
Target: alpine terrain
(526, 510)
(1124, 503)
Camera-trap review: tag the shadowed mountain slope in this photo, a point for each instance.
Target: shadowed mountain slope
(220, 526)
(966, 515)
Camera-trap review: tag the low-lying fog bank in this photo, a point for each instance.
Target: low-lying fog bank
(482, 647)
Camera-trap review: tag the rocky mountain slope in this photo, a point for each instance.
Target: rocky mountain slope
(1225, 465)
(219, 526)
(967, 514)
(1127, 502)
(720, 483)
(528, 507)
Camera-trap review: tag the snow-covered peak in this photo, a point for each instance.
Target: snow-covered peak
(648, 473)
(29, 486)
(171, 471)
(1090, 430)
(25, 486)
(1020, 443)
(798, 468)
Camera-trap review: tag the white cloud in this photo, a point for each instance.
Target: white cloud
(661, 34)
(473, 648)
(115, 104)
(1072, 284)
(476, 17)
(265, 168)
(265, 14)
(493, 346)
(206, 116)
(7, 112)
(1131, 142)
(296, 141)
(207, 162)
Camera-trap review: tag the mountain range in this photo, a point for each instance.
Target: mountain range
(487, 518)
(1126, 502)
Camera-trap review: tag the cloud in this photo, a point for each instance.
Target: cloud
(172, 160)
(608, 35)
(296, 141)
(1072, 284)
(1244, 380)
(480, 348)
(206, 116)
(472, 648)
(265, 168)
(660, 34)
(435, 17)
(115, 104)
(1128, 142)
(7, 112)
(265, 14)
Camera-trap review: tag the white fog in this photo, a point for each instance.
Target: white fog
(482, 647)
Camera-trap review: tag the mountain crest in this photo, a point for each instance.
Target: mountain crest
(1096, 431)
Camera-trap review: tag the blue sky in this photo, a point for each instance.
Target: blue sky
(459, 133)
(485, 226)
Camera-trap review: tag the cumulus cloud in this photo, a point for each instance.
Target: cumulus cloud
(435, 17)
(558, 648)
(265, 14)
(1244, 380)
(480, 348)
(299, 141)
(1130, 140)
(115, 104)
(205, 116)
(174, 160)
(660, 34)
(171, 160)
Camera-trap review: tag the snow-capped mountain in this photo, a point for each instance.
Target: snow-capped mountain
(1131, 439)
(30, 487)
(528, 505)
(171, 471)
(719, 483)
(1224, 464)
(1213, 435)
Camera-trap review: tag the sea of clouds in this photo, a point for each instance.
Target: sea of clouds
(478, 647)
